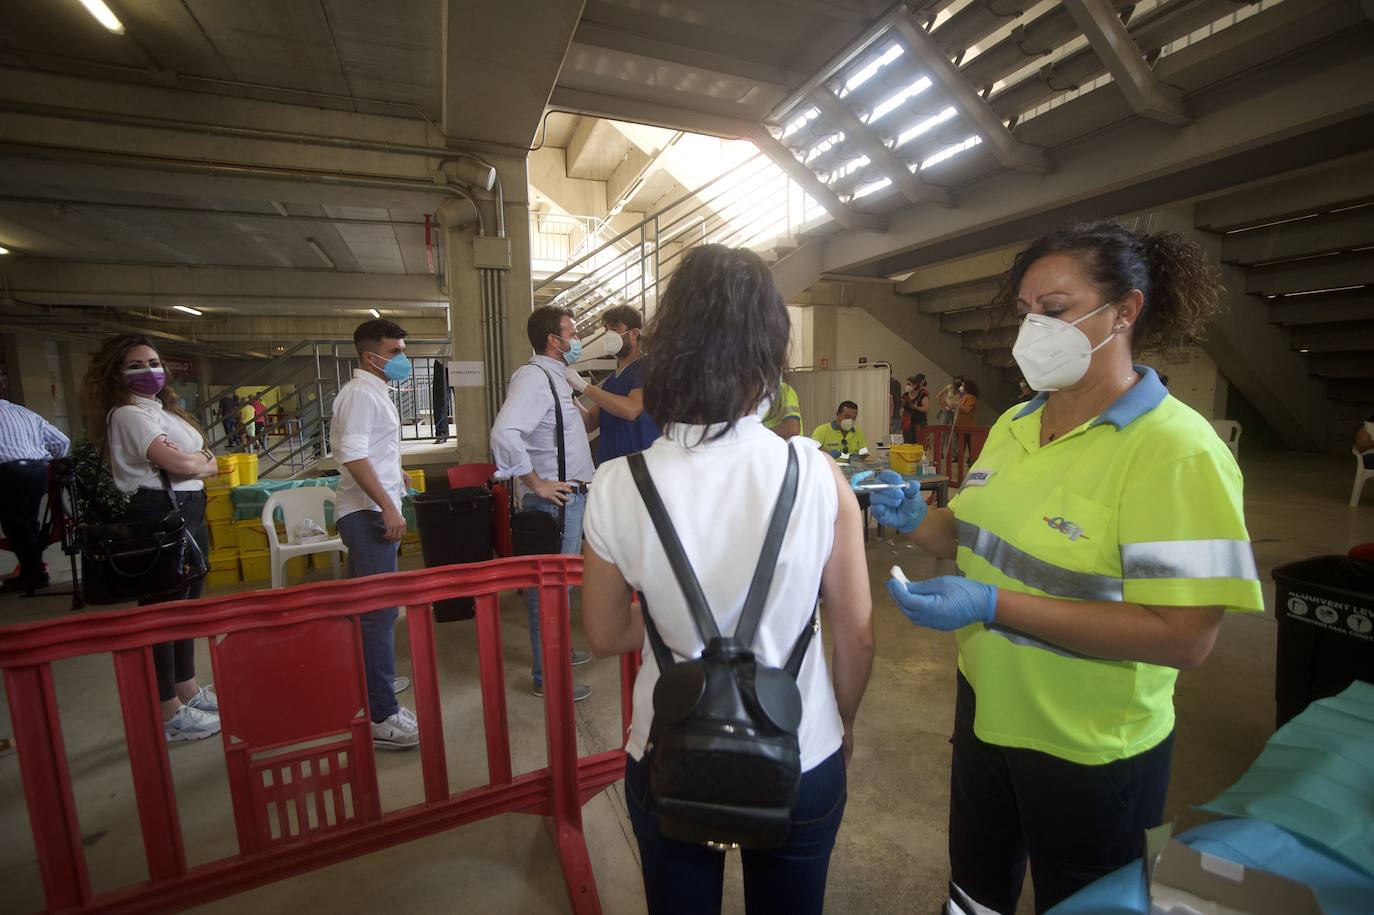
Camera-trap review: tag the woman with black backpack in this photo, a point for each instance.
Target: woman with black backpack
(729, 534)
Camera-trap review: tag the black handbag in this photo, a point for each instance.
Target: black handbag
(131, 560)
(723, 754)
(534, 532)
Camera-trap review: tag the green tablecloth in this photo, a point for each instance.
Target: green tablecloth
(249, 499)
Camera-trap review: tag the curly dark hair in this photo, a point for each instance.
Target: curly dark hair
(105, 388)
(719, 339)
(1177, 280)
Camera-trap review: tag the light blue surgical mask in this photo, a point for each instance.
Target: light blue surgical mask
(574, 351)
(397, 368)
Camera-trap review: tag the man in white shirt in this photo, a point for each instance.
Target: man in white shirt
(27, 441)
(365, 435)
(524, 445)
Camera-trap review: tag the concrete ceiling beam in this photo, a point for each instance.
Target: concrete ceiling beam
(838, 114)
(54, 281)
(999, 338)
(1330, 272)
(981, 266)
(957, 298)
(600, 105)
(709, 63)
(1334, 338)
(1114, 46)
(1010, 152)
(1343, 365)
(1324, 234)
(500, 61)
(1338, 183)
(979, 319)
(811, 183)
(1353, 305)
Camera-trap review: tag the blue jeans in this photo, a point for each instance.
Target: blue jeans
(572, 545)
(680, 877)
(369, 553)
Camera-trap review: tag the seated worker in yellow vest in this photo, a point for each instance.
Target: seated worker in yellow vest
(842, 437)
(784, 416)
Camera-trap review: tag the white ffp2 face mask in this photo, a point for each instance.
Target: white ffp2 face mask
(847, 425)
(1054, 354)
(612, 343)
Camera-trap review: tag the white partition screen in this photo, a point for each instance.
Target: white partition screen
(820, 392)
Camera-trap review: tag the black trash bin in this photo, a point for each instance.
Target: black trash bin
(1325, 608)
(455, 526)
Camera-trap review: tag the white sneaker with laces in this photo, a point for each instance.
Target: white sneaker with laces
(399, 732)
(205, 699)
(190, 724)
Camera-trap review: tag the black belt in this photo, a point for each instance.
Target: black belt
(579, 486)
(26, 462)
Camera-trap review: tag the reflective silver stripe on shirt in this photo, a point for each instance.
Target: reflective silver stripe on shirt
(1189, 559)
(1016, 637)
(1037, 573)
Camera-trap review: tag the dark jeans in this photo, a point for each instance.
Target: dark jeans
(1076, 823)
(24, 483)
(370, 553)
(684, 878)
(174, 662)
(911, 435)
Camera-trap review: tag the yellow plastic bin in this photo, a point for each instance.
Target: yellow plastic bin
(321, 560)
(223, 536)
(256, 565)
(228, 470)
(224, 568)
(905, 458)
(218, 506)
(251, 536)
(417, 479)
(247, 468)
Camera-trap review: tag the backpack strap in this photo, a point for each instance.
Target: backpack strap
(768, 559)
(677, 557)
(663, 655)
(803, 642)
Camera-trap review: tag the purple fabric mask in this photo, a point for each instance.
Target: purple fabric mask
(145, 381)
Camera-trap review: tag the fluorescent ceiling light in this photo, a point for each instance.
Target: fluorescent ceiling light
(916, 88)
(1302, 350)
(914, 131)
(375, 313)
(893, 52)
(102, 14)
(954, 150)
(4, 250)
(189, 310)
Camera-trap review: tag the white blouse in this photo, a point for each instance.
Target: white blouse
(131, 429)
(720, 496)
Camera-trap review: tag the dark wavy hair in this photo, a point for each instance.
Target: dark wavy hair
(719, 339)
(105, 388)
(1176, 278)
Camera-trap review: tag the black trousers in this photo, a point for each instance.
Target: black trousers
(175, 662)
(24, 484)
(1074, 822)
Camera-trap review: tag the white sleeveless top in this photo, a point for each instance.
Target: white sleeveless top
(720, 496)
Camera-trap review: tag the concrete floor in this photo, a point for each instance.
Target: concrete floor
(891, 851)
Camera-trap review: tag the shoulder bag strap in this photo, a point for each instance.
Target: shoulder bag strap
(677, 557)
(768, 559)
(663, 655)
(803, 642)
(558, 439)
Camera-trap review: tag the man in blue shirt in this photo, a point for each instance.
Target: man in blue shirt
(27, 442)
(618, 404)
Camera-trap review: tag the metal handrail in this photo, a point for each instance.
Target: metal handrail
(647, 219)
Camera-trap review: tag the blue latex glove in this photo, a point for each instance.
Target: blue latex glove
(945, 603)
(902, 508)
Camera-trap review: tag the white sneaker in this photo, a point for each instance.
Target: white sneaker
(400, 685)
(399, 732)
(205, 700)
(190, 724)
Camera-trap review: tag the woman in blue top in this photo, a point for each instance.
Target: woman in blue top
(618, 403)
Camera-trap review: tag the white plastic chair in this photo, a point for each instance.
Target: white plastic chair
(1229, 430)
(296, 505)
(1362, 474)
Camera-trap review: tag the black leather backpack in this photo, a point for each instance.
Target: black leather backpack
(724, 763)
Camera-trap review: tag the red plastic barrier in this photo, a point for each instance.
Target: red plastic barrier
(954, 451)
(300, 807)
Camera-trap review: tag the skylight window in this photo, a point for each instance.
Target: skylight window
(925, 126)
(893, 52)
(887, 105)
(871, 188)
(954, 150)
(806, 117)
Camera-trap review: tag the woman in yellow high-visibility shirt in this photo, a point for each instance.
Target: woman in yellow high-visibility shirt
(1101, 538)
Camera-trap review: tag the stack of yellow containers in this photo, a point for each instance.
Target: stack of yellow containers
(219, 515)
(410, 543)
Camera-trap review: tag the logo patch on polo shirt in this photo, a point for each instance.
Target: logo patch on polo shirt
(1067, 528)
(978, 478)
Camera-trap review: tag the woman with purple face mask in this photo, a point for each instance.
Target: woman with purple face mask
(151, 443)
